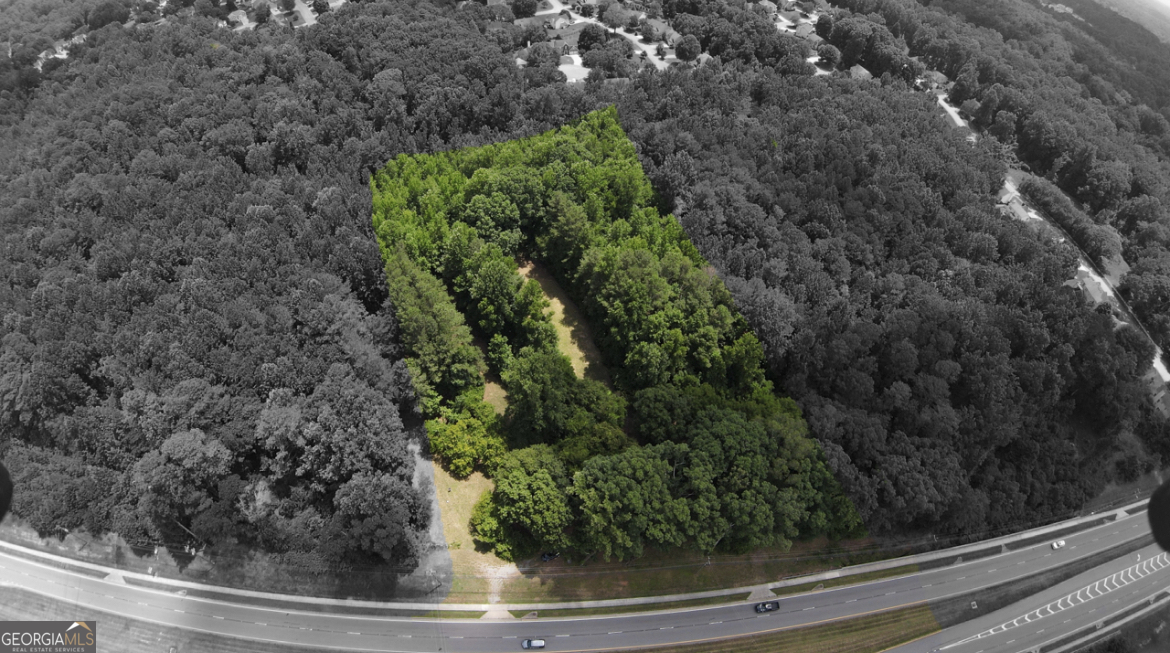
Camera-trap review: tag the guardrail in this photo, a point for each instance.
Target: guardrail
(1101, 629)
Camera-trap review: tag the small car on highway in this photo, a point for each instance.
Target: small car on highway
(532, 643)
(769, 606)
(1057, 544)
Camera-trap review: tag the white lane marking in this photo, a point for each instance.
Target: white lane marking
(807, 609)
(1097, 589)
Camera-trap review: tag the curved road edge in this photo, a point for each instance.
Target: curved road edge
(976, 549)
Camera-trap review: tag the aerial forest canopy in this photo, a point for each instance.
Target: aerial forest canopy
(198, 342)
(716, 459)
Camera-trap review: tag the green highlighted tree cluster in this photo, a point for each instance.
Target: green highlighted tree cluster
(691, 448)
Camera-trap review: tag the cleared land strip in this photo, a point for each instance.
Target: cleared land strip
(574, 339)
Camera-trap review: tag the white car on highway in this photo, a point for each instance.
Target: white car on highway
(1057, 544)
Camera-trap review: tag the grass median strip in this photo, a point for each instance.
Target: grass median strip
(868, 634)
(955, 610)
(855, 579)
(622, 609)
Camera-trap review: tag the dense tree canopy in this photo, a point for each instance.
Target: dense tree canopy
(189, 277)
(665, 324)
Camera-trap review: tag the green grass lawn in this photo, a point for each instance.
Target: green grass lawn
(625, 609)
(846, 580)
(573, 336)
(868, 634)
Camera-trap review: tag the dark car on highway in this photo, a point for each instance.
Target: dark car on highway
(768, 606)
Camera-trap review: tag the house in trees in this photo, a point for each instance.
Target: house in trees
(933, 79)
(238, 19)
(1159, 391)
(768, 6)
(808, 32)
(561, 47)
(552, 22)
(860, 72)
(662, 31)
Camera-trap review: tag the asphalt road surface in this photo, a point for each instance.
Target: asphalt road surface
(1082, 601)
(358, 633)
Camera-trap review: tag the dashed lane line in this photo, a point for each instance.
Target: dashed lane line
(1095, 590)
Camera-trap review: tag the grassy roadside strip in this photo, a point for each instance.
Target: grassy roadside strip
(878, 632)
(623, 609)
(868, 634)
(682, 572)
(855, 579)
(957, 609)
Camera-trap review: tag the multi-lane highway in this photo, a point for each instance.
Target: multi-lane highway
(365, 632)
(1067, 608)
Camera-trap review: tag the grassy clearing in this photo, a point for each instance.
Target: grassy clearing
(868, 634)
(496, 396)
(626, 609)
(473, 569)
(855, 579)
(450, 614)
(672, 572)
(574, 338)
